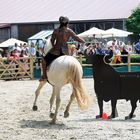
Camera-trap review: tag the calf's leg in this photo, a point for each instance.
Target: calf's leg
(114, 113)
(100, 104)
(133, 105)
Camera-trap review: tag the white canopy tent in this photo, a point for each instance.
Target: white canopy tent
(113, 32)
(93, 31)
(11, 42)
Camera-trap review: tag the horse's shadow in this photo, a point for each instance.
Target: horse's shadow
(110, 120)
(43, 125)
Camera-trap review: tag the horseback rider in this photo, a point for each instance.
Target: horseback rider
(59, 39)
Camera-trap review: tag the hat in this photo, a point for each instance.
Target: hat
(63, 19)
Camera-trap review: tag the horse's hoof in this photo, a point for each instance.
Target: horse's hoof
(112, 116)
(51, 115)
(130, 117)
(52, 122)
(34, 108)
(98, 116)
(66, 114)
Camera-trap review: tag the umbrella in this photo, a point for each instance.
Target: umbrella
(93, 31)
(1, 50)
(11, 42)
(116, 33)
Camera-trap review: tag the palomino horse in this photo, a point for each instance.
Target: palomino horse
(64, 70)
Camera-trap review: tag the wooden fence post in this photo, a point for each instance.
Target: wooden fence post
(31, 67)
(129, 63)
(80, 58)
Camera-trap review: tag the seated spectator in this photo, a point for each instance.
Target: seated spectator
(124, 59)
(24, 63)
(14, 54)
(23, 55)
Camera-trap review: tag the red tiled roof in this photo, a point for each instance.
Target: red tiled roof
(21, 11)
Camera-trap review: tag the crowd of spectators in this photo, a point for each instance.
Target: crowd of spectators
(94, 47)
(119, 48)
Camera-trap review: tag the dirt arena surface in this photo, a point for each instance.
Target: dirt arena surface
(19, 122)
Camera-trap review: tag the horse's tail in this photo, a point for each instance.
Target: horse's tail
(75, 74)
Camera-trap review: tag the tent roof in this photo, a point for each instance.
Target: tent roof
(11, 42)
(92, 31)
(25, 11)
(41, 35)
(116, 33)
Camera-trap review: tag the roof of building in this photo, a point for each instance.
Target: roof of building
(41, 35)
(23, 11)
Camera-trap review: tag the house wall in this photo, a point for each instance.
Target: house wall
(5, 34)
(23, 31)
(14, 31)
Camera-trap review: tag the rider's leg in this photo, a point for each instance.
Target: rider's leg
(45, 63)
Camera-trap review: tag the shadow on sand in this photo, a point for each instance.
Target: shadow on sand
(110, 120)
(43, 125)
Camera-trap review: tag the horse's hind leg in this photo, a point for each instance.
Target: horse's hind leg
(58, 100)
(114, 113)
(37, 92)
(66, 113)
(100, 104)
(52, 102)
(133, 105)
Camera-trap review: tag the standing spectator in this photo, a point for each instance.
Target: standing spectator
(117, 55)
(98, 49)
(137, 47)
(129, 48)
(104, 46)
(32, 50)
(1, 51)
(24, 63)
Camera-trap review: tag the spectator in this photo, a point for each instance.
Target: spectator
(124, 59)
(137, 47)
(32, 50)
(117, 55)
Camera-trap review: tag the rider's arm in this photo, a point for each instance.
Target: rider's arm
(75, 37)
(53, 38)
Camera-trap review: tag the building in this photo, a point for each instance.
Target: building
(22, 19)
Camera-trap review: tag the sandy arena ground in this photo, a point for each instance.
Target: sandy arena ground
(19, 122)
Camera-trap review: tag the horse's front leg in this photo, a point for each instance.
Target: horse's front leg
(37, 92)
(58, 100)
(66, 113)
(100, 104)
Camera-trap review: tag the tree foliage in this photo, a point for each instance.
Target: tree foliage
(133, 22)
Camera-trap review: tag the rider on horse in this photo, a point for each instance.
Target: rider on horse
(59, 41)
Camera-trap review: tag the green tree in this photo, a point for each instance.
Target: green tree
(133, 22)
